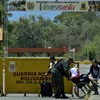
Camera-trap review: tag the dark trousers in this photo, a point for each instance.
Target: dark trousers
(58, 80)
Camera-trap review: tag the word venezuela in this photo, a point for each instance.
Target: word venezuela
(30, 77)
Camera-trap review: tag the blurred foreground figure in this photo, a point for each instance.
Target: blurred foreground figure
(95, 72)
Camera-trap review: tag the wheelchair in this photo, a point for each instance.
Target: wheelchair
(85, 86)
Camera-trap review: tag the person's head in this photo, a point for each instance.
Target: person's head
(70, 62)
(52, 59)
(94, 62)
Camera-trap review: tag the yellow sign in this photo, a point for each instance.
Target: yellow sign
(51, 6)
(24, 75)
(1, 75)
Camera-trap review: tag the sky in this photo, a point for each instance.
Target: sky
(46, 14)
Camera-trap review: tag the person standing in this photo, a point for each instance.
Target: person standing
(95, 72)
(53, 61)
(59, 70)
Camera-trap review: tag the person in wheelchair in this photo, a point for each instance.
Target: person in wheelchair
(95, 72)
(76, 77)
(74, 74)
(80, 81)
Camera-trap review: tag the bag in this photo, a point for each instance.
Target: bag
(46, 89)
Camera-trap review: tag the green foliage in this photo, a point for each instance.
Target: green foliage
(97, 40)
(90, 48)
(1, 12)
(75, 30)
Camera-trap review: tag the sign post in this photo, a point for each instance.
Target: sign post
(5, 40)
(5, 29)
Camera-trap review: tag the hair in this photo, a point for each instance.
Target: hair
(70, 59)
(52, 57)
(94, 61)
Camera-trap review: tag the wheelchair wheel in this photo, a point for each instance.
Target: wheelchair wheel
(81, 89)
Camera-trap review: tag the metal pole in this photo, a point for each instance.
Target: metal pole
(69, 36)
(87, 38)
(45, 43)
(5, 29)
(87, 48)
(5, 41)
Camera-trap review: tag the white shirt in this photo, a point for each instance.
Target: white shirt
(51, 65)
(74, 72)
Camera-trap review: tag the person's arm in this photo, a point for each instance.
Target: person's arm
(90, 71)
(98, 71)
(78, 72)
(49, 70)
(66, 69)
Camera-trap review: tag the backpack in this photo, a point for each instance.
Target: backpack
(63, 67)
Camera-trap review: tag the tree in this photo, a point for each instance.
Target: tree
(1, 12)
(73, 30)
(89, 49)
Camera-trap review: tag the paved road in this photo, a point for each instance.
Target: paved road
(31, 97)
(35, 97)
(83, 69)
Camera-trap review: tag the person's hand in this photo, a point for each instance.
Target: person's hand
(45, 74)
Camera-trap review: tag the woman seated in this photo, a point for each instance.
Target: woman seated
(75, 75)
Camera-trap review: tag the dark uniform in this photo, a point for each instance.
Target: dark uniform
(58, 71)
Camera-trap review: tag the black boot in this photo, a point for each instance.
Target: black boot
(57, 95)
(63, 95)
